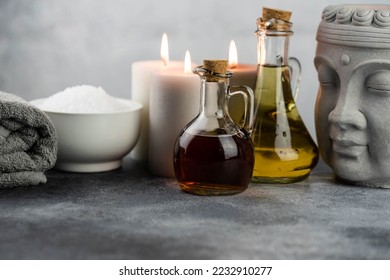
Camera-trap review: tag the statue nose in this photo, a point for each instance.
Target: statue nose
(347, 114)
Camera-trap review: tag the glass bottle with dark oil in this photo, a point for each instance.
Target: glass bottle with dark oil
(284, 149)
(212, 155)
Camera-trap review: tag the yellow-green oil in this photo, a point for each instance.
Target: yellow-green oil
(284, 149)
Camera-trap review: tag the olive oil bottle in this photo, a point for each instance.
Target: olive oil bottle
(284, 149)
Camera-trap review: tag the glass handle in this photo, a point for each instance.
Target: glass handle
(296, 71)
(248, 96)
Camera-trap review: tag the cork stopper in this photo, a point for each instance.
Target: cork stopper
(269, 13)
(217, 66)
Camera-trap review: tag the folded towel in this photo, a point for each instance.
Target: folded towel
(28, 143)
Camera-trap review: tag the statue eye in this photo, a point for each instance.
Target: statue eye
(328, 77)
(379, 82)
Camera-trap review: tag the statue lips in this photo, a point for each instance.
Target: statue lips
(348, 148)
(349, 143)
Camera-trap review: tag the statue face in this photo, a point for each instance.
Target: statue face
(352, 112)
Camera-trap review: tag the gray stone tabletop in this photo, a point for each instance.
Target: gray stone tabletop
(131, 214)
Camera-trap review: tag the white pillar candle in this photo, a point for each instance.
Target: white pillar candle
(142, 72)
(243, 75)
(174, 102)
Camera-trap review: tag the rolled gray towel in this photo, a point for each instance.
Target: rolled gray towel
(28, 143)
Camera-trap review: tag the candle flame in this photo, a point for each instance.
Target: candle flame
(187, 63)
(164, 49)
(233, 56)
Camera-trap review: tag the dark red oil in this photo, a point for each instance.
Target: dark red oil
(213, 165)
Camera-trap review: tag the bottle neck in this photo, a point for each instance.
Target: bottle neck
(272, 48)
(213, 98)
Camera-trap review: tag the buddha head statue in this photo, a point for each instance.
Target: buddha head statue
(352, 113)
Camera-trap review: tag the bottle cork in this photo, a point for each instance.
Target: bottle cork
(269, 13)
(218, 66)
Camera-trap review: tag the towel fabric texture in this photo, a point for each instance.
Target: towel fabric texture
(28, 143)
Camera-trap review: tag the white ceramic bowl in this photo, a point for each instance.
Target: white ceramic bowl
(95, 142)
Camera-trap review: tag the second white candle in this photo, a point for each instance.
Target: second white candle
(174, 102)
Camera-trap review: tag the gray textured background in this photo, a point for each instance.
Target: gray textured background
(48, 45)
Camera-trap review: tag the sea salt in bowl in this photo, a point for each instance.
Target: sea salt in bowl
(94, 141)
